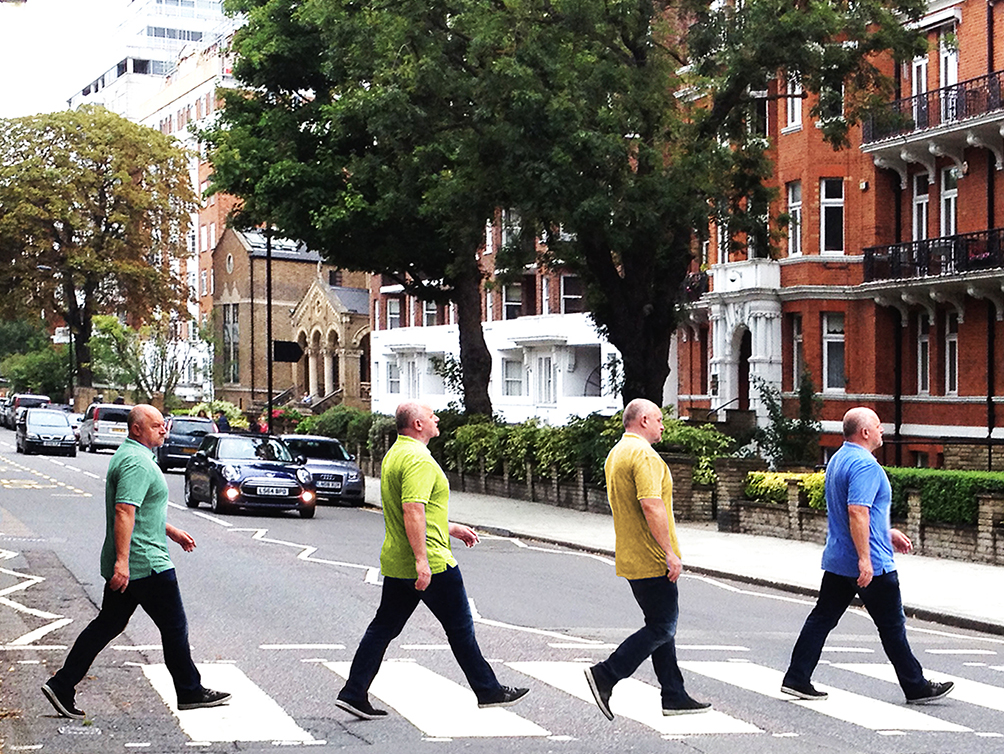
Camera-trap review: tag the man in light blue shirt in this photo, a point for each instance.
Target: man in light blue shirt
(858, 559)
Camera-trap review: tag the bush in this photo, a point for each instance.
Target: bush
(472, 442)
(702, 441)
(382, 434)
(947, 497)
(334, 422)
(234, 416)
(772, 487)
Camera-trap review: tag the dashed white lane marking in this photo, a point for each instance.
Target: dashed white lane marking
(634, 700)
(873, 714)
(960, 651)
(251, 715)
(301, 646)
(439, 707)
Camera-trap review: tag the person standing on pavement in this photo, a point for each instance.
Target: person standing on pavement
(137, 569)
(647, 554)
(418, 566)
(858, 559)
(222, 422)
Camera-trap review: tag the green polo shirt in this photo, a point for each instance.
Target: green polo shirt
(135, 479)
(409, 474)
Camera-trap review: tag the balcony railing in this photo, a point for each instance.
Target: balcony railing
(939, 107)
(948, 255)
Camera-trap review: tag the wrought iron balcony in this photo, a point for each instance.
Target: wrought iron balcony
(939, 107)
(948, 255)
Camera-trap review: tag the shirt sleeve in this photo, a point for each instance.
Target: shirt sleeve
(864, 482)
(649, 471)
(131, 484)
(417, 481)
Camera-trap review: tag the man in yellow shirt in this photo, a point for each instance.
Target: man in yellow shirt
(640, 491)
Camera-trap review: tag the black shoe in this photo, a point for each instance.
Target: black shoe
(361, 709)
(803, 691)
(933, 692)
(504, 697)
(601, 693)
(687, 707)
(206, 698)
(63, 703)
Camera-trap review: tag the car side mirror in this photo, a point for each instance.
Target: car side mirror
(300, 460)
(352, 456)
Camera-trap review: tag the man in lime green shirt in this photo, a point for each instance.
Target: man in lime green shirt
(418, 566)
(647, 554)
(138, 572)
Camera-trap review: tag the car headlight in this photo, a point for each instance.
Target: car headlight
(352, 476)
(303, 476)
(230, 473)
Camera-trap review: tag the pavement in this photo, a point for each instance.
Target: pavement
(952, 592)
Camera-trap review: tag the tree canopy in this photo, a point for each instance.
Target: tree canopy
(94, 218)
(385, 135)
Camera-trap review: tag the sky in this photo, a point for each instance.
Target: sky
(51, 48)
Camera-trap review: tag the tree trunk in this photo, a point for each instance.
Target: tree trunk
(475, 359)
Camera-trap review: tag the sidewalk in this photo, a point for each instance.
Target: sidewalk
(953, 592)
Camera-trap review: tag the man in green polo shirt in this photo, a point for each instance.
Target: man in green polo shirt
(418, 566)
(137, 570)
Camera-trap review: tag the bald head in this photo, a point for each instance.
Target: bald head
(417, 420)
(862, 426)
(643, 418)
(146, 425)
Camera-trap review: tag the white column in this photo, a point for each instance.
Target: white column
(312, 370)
(329, 371)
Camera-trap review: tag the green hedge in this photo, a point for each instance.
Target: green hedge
(772, 487)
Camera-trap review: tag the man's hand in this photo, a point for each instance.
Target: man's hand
(865, 572)
(675, 566)
(120, 577)
(183, 538)
(465, 534)
(900, 542)
(424, 575)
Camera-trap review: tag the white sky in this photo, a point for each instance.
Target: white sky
(51, 48)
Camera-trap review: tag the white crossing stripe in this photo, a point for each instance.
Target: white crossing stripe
(251, 715)
(439, 707)
(873, 714)
(972, 692)
(632, 699)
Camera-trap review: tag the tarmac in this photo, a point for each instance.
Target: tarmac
(952, 592)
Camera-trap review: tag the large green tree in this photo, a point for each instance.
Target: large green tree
(386, 133)
(94, 216)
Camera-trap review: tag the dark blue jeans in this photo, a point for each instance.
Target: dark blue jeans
(659, 601)
(160, 598)
(885, 606)
(446, 598)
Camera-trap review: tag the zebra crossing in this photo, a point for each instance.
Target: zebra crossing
(439, 708)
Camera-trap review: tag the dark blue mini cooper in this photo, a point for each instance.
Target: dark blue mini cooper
(232, 471)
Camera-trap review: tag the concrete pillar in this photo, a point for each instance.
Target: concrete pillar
(348, 376)
(327, 357)
(991, 514)
(312, 371)
(794, 519)
(913, 530)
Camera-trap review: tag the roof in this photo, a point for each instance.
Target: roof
(282, 248)
(355, 300)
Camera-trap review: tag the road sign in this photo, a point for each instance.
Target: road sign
(286, 351)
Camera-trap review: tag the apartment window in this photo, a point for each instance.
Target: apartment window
(393, 377)
(545, 380)
(212, 235)
(949, 77)
(797, 351)
(489, 238)
(833, 352)
(545, 295)
(923, 354)
(572, 296)
(414, 385)
(205, 239)
(793, 101)
(203, 283)
(921, 209)
(510, 227)
(512, 377)
(430, 313)
(794, 191)
(918, 87)
(393, 313)
(949, 201)
(335, 278)
(952, 353)
(512, 300)
(489, 306)
(231, 341)
(831, 206)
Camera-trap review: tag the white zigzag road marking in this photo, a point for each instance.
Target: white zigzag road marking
(28, 581)
(307, 551)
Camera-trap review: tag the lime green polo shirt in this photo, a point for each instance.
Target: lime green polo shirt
(409, 474)
(135, 479)
(635, 471)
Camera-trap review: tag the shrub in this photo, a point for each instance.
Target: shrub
(947, 497)
(474, 441)
(702, 441)
(234, 415)
(335, 422)
(383, 432)
(772, 487)
(519, 447)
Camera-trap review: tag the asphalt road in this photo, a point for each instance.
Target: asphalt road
(277, 604)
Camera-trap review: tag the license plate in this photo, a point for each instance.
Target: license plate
(51, 444)
(119, 430)
(189, 450)
(272, 491)
(329, 485)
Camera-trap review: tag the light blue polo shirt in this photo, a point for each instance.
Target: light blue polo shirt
(854, 477)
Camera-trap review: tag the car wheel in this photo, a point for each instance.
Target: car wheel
(214, 500)
(307, 511)
(190, 500)
(73, 452)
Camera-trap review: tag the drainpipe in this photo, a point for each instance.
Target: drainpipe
(991, 379)
(898, 377)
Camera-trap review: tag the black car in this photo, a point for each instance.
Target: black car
(335, 471)
(183, 438)
(41, 430)
(248, 471)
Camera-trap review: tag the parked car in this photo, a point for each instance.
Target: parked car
(104, 426)
(21, 400)
(335, 471)
(248, 471)
(42, 430)
(183, 438)
(75, 419)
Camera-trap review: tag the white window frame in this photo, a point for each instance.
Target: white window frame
(512, 378)
(948, 76)
(797, 351)
(509, 304)
(921, 206)
(918, 86)
(489, 306)
(793, 102)
(489, 238)
(546, 393)
(567, 298)
(393, 313)
(545, 295)
(430, 313)
(794, 194)
(951, 353)
(831, 203)
(949, 201)
(393, 378)
(923, 354)
(833, 339)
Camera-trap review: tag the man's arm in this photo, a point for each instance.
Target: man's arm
(860, 522)
(125, 520)
(183, 538)
(414, 527)
(658, 524)
(465, 534)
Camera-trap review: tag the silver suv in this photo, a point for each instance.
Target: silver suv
(104, 426)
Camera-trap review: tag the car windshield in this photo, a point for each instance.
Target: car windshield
(112, 414)
(322, 450)
(48, 419)
(191, 427)
(252, 449)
